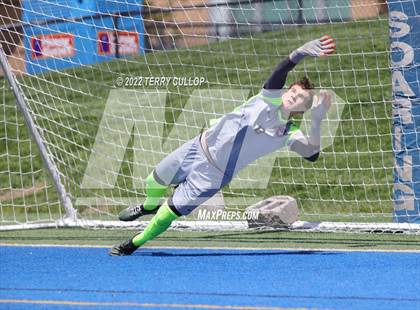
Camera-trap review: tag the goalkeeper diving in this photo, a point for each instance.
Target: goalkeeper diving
(263, 124)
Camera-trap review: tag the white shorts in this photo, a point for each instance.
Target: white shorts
(197, 180)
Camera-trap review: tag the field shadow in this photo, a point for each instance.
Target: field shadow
(214, 253)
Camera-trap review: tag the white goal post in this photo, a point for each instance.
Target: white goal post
(95, 93)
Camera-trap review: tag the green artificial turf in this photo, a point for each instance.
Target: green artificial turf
(252, 239)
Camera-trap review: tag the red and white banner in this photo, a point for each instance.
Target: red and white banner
(128, 43)
(106, 43)
(52, 46)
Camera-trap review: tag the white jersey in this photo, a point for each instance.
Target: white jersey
(249, 132)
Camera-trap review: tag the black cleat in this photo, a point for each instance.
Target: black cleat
(132, 213)
(123, 249)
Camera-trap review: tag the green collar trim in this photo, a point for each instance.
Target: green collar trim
(273, 100)
(281, 116)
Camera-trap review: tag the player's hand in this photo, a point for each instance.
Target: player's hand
(316, 48)
(322, 104)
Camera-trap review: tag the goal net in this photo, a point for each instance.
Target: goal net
(112, 87)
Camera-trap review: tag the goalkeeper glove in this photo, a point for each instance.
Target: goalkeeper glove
(318, 112)
(321, 106)
(315, 48)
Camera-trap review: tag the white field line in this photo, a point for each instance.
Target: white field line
(210, 248)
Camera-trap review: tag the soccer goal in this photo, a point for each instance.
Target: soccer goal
(95, 93)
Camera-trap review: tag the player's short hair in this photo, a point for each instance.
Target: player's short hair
(305, 83)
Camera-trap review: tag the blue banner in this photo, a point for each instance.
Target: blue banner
(96, 31)
(404, 22)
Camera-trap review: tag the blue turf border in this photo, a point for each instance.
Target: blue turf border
(294, 278)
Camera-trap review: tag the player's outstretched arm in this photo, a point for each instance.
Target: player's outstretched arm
(309, 148)
(315, 48)
(319, 110)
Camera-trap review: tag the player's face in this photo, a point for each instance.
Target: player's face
(294, 100)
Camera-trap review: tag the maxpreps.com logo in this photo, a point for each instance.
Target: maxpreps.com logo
(52, 46)
(224, 215)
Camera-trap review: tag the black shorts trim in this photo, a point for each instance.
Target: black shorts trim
(172, 207)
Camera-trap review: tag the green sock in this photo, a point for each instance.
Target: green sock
(159, 223)
(154, 192)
